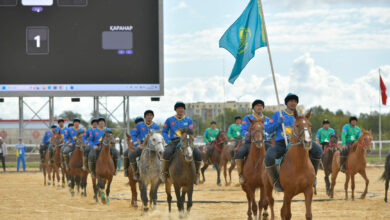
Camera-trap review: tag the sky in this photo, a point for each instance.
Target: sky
(327, 52)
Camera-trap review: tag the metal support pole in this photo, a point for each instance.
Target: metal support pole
(51, 110)
(21, 119)
(95, 106)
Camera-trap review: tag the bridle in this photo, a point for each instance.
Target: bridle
(220, 140)
(299, 136)
(107, 141)
(148, 148)
(364, 143)
(258, 143)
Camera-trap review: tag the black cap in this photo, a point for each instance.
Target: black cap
(257, 101)
(101, 119)
(213, 122)
(289, 97)
(237, 117)
(70, 125)
(148, 112)
(353, 118)
(53, 126)
(76, 119)
(138, 119)
(325, 121)
(61, 120)
(180, 104)
(94, 120)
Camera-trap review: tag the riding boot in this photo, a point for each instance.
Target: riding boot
(315, 163)
(126, 166)
(239, 163)
(164, 170)
(43, 153)
(92, 168)
(85, 163)
(66, 161)
(342, 164)
(134, 167)
(197, 169)
(273, 173)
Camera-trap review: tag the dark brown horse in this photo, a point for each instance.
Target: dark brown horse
(386, 175)
(327, 158)
(296, 172)
(132, 182)
(182, 172)
(47, 167)
(58, 142)
(225, 158)
(218, 145)
(254, 168)
(104, 169)
(77, 175)
(355, 163)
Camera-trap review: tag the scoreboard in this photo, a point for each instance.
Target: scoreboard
(81, 47)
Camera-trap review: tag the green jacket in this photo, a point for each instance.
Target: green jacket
(234, 131)
(324, 134)
(350, 134)
(210, 135)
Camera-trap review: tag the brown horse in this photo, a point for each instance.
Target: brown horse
(225, 158)
(254, 168)
(182, 172)
(77, 175)
(296, 172)
(355, 163)
(327, 158)
(104, 169)
(218, 145)
(132, 182)
(47, 167)
(58, 142)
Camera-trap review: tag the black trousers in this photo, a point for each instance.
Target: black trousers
(243, 151)
(134, 154)
(344, 152)
(2, 158)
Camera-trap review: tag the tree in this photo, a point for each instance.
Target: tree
(70, 115)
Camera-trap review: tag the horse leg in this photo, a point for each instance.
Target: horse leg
(154, 196)
(169, 196)
(308, 200)
(386, 188)
(285, 212)
(218, 175)
(364, 175)
(183, 199)
(202, 171)
(327, 182)
(232, 166)
(178, 197)
(270, 199)
(254, 205)
(108, 188)
(144, 196)
(334, 177)
(248, 197)
(225, 173)
(95, 189)
(262, 202)
(133, 187)
(353, 186)
(71, 188)
(189, 202)
(347, 176)
(63, 177)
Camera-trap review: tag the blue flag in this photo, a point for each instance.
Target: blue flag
(244, 37)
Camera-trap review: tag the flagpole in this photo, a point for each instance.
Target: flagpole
(380, 115)
(272, 69)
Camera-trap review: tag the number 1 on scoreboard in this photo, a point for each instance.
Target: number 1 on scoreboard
(38, 41)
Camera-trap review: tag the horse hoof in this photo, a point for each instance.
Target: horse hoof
(108, 201)
(146, 209)
(385, 200)
(72, 194)
(182, 214)
(265, 214)
(219, 184)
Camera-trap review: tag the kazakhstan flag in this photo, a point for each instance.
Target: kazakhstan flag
(244, 37)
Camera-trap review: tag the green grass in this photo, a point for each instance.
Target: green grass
(376, 159)
(29, 164)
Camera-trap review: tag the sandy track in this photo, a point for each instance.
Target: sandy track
(23, 196)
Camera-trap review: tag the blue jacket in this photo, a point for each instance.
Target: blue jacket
(141, 130)
(172, 126)
(276, 126)
(246, 124)
(21, 149)
(97, 135)
(47, 137)
(86, 136)
(64, 133)
(73, 134)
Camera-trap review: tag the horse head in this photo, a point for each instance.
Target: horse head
(154, 141)
(187, 143)
(129, 141)
(79, 139)
(302, 130)
(334, 139)
(57, 139)
(221, 138)
(108, 139)
(365, 140)
(256, 132)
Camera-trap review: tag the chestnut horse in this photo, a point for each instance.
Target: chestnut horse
(327, 158)
(218, 145)
(254, 168)
(58, 142)
(355, 163)
(132, 182)
(225, 158)
(104, 169)
(296, 172)
(77, 175)
(47, 167)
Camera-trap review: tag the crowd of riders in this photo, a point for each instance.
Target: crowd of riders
(276, 129)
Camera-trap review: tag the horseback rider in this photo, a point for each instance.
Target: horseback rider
(171, 134)
(97, 138)
(70, 125)
(132, 132)
(349, 134)
(69, 148)
(65, 136)
(141, 130)
(234, 135)
(242, 153)
(46, 141)
(279, 149)
(324, 133)
(209, 136)
(88, 141)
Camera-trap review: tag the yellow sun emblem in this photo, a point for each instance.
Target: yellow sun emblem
(178, 133)
(245, 34)
(288, 131)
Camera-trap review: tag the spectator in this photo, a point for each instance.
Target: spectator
(20, 149)
(3, 152)
(118, 147)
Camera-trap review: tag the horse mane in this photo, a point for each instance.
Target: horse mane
(187, 131)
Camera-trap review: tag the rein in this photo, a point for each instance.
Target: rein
(299, 136)
(253, 132)
(221, 141)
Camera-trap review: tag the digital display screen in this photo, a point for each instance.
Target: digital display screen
(81, 47)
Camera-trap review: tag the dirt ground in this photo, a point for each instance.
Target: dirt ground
(23, 196)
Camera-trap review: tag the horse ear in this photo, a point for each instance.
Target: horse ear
(308, 114)
(128, 135)
(295, 114)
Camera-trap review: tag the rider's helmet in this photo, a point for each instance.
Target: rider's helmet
(148, 112)
(353, 118)
(325, 121)
(138, 119)
(257, 101)
(180, 104)
(289, 97)
(94, 120)
(213, 122)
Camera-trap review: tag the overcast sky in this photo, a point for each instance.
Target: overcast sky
(328, 52)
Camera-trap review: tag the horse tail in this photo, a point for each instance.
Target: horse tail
(386, 173)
